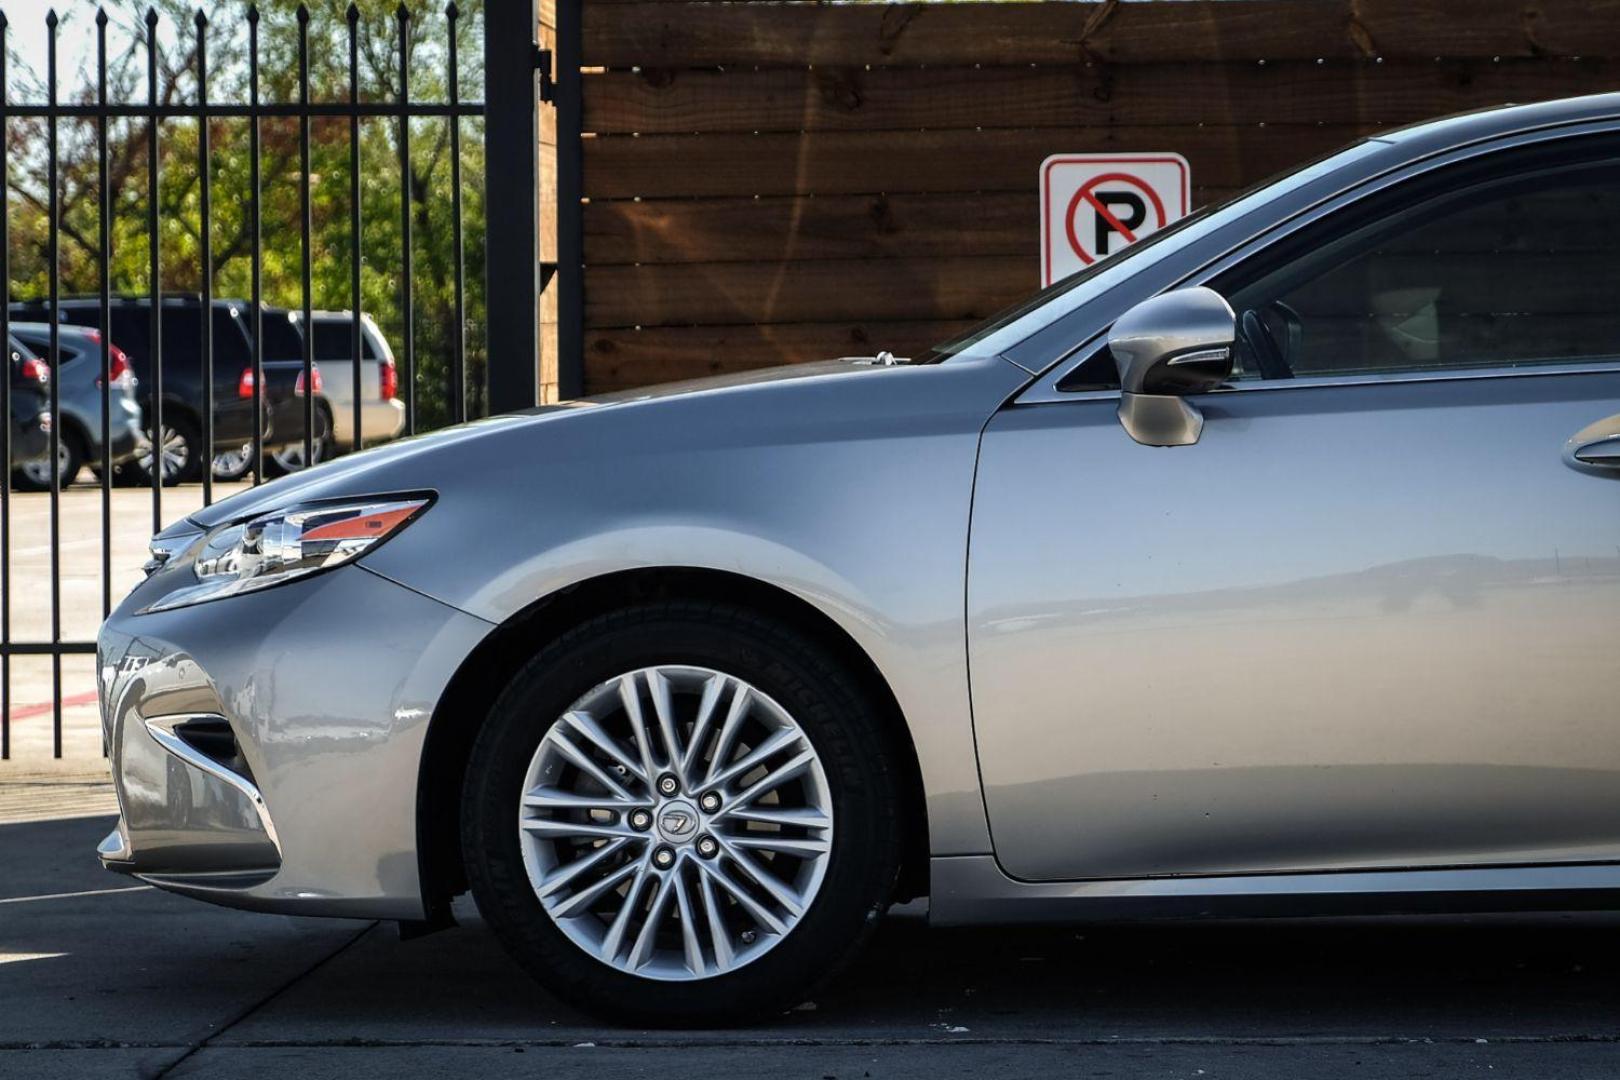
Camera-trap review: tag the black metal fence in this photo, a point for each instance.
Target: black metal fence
(510, 61)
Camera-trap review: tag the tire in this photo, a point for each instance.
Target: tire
(854, 777)
(35, 475)
(183, 460)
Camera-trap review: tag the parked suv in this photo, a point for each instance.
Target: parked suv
(180, 441)
(78, 376)
(382, 414)
(283, 397)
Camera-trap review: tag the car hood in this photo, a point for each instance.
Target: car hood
(392, 467)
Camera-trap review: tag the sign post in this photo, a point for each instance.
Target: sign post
(1094, 205)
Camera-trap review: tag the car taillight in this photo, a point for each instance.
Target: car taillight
(117, 365)
(244, 385)
(387, 379)
(315, 377)
(36, 370)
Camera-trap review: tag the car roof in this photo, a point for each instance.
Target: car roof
(329, 315)
(1502, 120)
(65, 331)
(169, 300)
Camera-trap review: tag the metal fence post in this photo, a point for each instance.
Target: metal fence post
(511, 226)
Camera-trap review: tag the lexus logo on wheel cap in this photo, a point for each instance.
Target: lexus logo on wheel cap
(678, 822)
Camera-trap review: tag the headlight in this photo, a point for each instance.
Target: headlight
(286, 545)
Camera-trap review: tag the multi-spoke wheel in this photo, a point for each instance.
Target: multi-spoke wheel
(682, 795)
(179, 454)
(676, 823)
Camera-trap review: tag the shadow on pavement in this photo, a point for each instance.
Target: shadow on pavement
(159, 975)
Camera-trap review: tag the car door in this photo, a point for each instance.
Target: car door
(1368, 619)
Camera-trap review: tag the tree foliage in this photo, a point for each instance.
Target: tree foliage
(180, 223)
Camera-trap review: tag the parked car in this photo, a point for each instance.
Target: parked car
(30, 418)
(130, 321)
(382, 415)
(1267, 567)
(78, 379)
(284, 400)
(283, 396)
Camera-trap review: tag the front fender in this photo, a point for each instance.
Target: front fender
(851, 493)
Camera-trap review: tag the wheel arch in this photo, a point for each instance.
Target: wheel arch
(482, 676)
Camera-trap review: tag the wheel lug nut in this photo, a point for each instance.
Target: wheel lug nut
(710, 802)
(668, 785)
(640, 820)
(707, 847)
(664, 858)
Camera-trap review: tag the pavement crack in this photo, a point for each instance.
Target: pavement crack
(253, 1007)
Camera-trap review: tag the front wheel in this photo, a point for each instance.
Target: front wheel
(682, 814)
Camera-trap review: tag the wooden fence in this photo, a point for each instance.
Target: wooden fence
(770, 182)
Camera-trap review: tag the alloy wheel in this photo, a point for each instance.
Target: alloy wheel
(175, 453)
(233, 464)
(676, 823)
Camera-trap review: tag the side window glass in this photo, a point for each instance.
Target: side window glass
(233, 350)
(131, 333)
(1502, 272)
(182, 341)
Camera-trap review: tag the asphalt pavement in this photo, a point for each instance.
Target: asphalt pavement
(101, 977)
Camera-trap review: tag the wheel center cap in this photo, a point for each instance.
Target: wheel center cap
(677, 821)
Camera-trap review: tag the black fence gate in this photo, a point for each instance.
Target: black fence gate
(507, 114)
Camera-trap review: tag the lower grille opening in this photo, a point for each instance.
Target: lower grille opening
(212, 737)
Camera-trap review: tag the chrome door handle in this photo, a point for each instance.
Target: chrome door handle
(1602, 452)
(1596, 444)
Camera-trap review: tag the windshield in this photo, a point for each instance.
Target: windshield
(1023, 319)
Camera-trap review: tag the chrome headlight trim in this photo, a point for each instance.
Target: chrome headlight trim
(285, 545)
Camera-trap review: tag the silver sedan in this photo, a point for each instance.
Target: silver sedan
(1269, 567)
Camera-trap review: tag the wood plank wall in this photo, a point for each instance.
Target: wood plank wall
(546, 136)
(771, 182)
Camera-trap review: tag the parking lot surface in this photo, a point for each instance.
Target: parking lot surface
(102, 977)
(79, 599)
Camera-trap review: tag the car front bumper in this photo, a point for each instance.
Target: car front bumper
(266, 748)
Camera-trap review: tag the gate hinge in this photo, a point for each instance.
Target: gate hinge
(548, 88)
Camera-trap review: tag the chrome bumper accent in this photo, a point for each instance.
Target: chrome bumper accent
(161, 728)
(114, 847)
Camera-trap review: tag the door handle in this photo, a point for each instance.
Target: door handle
(1596, 445)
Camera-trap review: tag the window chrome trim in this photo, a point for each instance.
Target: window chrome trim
(1042, 394)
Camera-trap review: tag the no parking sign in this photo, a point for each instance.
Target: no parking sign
(1093, 205)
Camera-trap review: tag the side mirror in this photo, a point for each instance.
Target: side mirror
(1173, 344)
